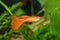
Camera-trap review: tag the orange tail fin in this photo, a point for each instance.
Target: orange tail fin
(16, 23)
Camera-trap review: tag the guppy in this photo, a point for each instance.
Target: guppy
(16, 22)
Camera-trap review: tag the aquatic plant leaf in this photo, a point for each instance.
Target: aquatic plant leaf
(12, 8)
(50, 5)
(55, 23)
(19, 12)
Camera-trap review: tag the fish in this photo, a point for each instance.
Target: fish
(16, 22)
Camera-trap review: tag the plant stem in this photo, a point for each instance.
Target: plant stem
(40, 11)
(5, 6)
(32, 8)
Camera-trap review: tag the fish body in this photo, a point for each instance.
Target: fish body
(18, 21)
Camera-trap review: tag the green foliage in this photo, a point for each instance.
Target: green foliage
(12, 8)
(55, 23)
(38, 31)
(51, 5)
(20, 12)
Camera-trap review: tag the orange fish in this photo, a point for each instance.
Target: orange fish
(18, 21)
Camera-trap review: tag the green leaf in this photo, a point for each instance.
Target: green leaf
(51, 5)
(38, 31)
(55, 23)
(19, 12)
(12, 8)
(42, 2)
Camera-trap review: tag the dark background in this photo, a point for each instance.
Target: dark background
(26, 7)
